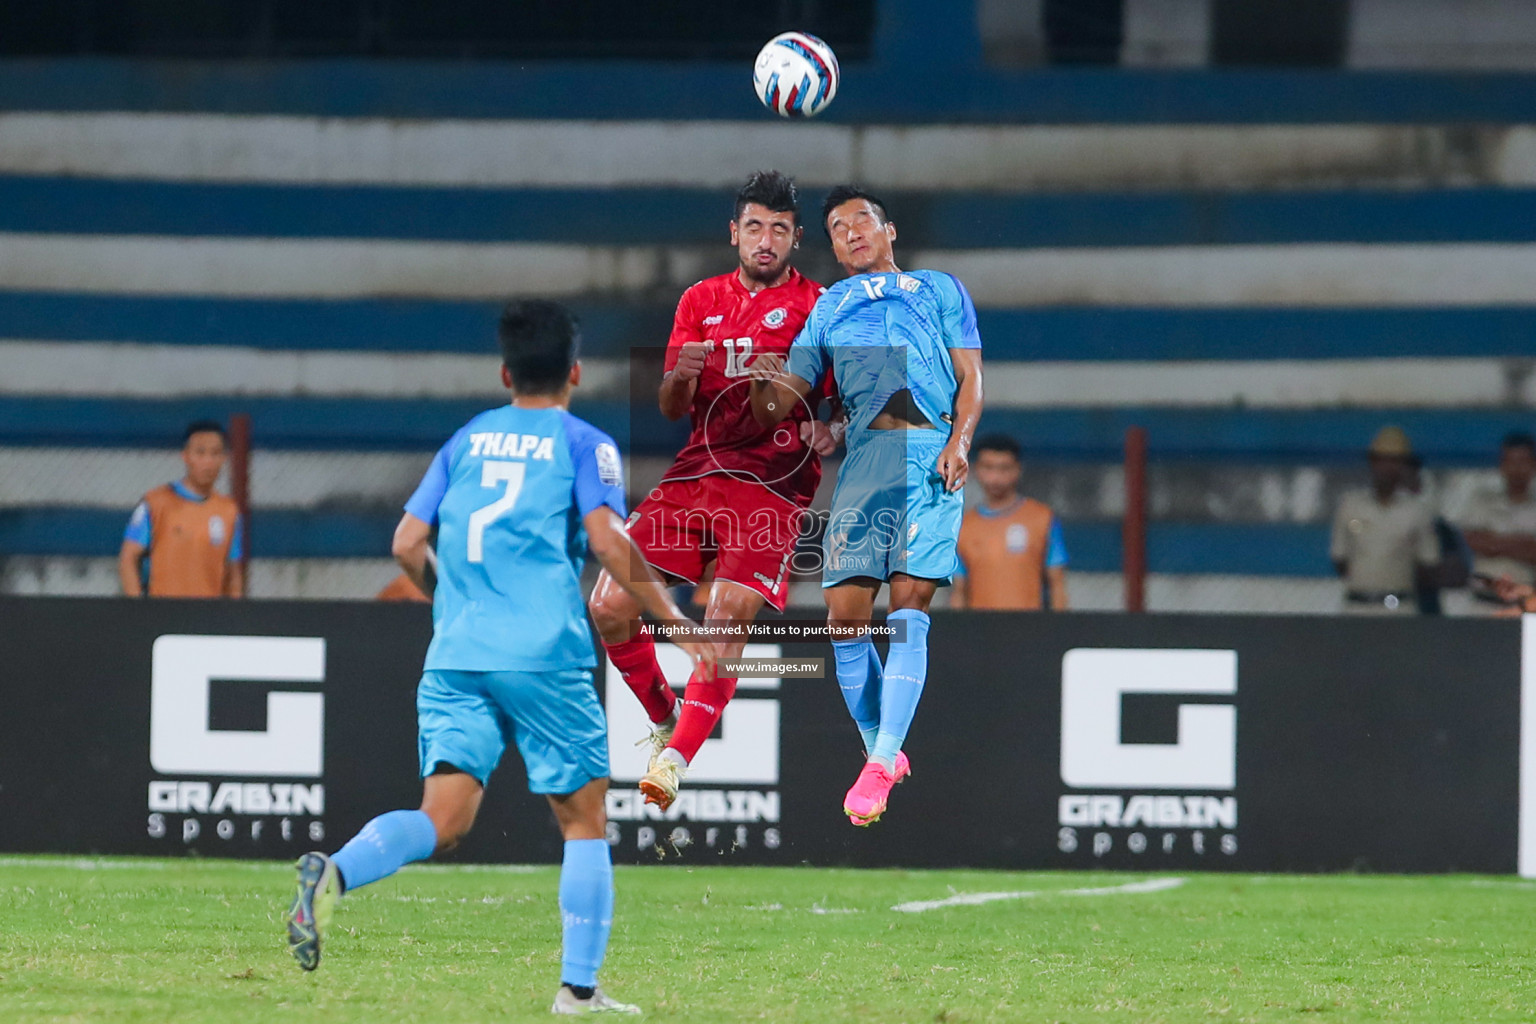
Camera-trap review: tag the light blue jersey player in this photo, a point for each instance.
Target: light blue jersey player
(903, 350)
(515, 496)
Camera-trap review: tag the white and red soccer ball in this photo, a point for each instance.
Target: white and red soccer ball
(796, 75)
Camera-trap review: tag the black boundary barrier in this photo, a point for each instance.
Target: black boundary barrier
(1312, 744)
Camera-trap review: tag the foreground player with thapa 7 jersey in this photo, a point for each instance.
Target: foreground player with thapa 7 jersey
(903, 350)
(516, 496)
(732, 502)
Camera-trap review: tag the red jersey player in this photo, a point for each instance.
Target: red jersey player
(736, 493)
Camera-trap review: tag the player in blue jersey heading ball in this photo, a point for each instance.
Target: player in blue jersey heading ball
(516, 497)
(903, 349)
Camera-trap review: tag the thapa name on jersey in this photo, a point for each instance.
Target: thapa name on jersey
(511, 446)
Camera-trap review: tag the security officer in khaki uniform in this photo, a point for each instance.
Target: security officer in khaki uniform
(1384, 540)
(1500, 522)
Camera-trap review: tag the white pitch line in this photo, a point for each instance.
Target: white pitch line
(971, 899)
(1150, 885)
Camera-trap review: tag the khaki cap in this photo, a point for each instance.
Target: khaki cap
(1392, 443)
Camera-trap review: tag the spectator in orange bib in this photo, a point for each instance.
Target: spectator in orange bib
(1011, 552)
(186, 533)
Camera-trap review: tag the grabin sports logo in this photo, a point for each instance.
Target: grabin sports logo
(745, 758)
(1203, 756)
(182, 742)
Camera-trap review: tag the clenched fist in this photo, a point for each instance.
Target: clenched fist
(821, 437)
(691, 358)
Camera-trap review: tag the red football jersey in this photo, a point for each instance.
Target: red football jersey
(726, 438)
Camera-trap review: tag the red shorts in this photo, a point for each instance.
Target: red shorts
(748, 531)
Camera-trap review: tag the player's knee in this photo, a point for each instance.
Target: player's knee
(582, 814)
(846, 623)
(734, 604)
(451, 823)
(600, 605)
(609, 610)
(912, 594)
(452, 814)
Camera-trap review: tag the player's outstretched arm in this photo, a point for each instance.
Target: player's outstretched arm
(954, 463)
(618, 554)
(412, 548)
(775, 393)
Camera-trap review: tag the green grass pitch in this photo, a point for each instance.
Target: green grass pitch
(185, 940)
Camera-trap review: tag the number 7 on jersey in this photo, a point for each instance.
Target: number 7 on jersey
(494, 472)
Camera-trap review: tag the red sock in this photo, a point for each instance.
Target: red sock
(703, 704)
(636, 661)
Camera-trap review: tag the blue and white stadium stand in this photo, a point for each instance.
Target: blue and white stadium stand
(1262, 268)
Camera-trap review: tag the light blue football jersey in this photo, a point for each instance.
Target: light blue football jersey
(879, 333)
(507, 494)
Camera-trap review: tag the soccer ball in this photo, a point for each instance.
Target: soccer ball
(796, 75)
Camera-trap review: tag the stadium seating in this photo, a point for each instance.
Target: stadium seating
(1260, 268)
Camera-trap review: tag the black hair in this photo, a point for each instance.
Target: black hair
(1518, 439)
(998, 443)
(204, 427)
(540, 341)
(842, 194)
(769, 189)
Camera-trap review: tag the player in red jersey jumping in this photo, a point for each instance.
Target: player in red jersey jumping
(736, 493)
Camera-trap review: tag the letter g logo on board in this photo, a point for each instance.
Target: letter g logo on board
(1093, 683)
(184, 667)
(747, 751)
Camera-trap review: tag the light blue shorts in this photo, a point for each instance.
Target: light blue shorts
(466, 719)
(890, 511)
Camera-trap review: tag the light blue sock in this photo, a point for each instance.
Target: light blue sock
(858, 674)
(385, 845)
(586, 909)
(906, 668)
